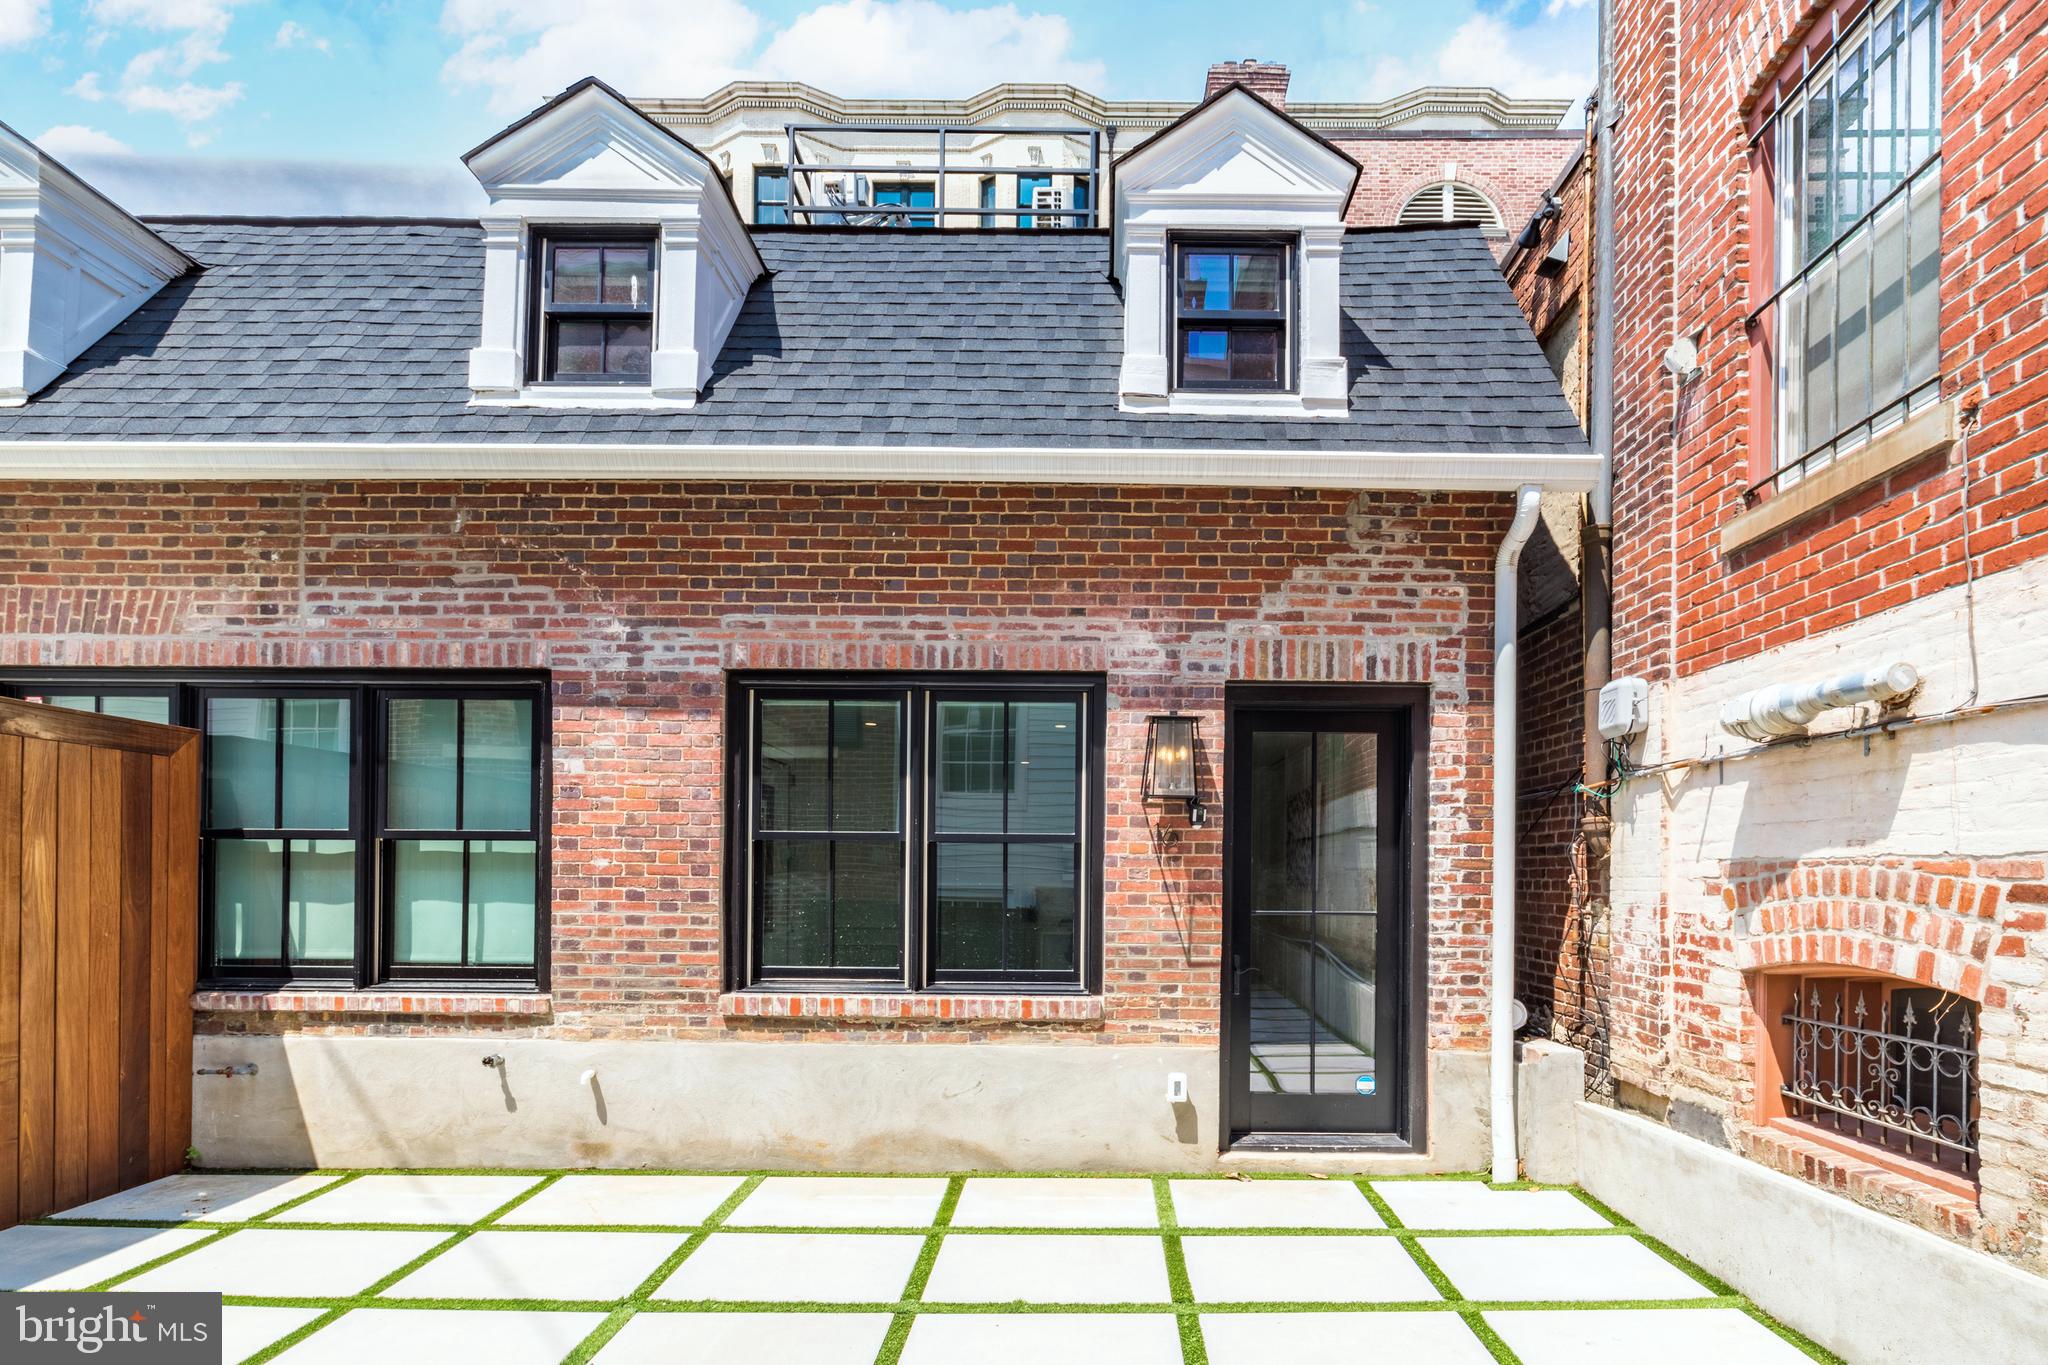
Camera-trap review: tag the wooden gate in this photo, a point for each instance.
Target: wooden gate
(99, 839)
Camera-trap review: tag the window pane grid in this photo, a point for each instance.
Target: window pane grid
(1857, 305)
(990, 784)
(278, 792)
(468, 760)
(596, 320)
(1230, 305)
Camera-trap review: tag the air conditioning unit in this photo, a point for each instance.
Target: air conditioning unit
(1043, 198)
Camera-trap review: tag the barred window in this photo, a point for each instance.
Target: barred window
(1855, 157)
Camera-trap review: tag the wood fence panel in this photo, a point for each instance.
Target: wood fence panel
(99, 845)
(37, 1123)
(10, 983)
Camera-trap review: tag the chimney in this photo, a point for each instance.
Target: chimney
(1267, 80)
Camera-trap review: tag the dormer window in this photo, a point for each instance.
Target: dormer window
(1231, 307)
(596, 309)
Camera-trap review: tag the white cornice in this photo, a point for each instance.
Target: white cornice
(1479, 103)
(1257, 467)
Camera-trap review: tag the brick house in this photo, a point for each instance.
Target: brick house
(706, 673)
(1828, 840)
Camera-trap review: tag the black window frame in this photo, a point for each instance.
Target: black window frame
(777, 171)
(367, 692)
(544, 314)
(1280, 321)
(919, 694)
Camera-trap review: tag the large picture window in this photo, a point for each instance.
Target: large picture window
(1854, 158)
(916, 834)
(357, 831)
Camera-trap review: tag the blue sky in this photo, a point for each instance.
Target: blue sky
(364, 105)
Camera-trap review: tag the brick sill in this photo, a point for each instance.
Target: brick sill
(1814, 1153)
(369, 1002)
(1927, 431)
(931, 1006)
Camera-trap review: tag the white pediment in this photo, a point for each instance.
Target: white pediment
(73, 264)
(1237, 150)
(589, 144)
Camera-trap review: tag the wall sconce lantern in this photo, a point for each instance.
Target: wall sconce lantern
(1170, 763)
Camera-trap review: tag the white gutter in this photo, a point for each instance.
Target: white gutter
(1319, 466)
(1506, 676)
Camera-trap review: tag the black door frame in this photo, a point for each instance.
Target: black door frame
(1408, 707)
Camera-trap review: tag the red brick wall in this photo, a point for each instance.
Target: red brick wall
(1513, 170)
(1686, 238)
(639, 597)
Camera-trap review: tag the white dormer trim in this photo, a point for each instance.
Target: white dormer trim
(589, 158)
(73, 264)
(1233, 165)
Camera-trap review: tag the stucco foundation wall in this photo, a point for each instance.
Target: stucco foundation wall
(1868, 1287)
(353, 1101)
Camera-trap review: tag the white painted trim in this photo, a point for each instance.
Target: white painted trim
(612, 398)
(1279, 467)
(1279, 406)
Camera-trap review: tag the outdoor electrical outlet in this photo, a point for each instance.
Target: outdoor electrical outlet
(1177, 1088)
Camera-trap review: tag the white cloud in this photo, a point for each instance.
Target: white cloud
(185, 101)
(1557, 7)
(68, 140)
(157, 80)
(87, 88)
(23, 21)
(1520, 62)
(901, 47)
(522, 52)
(525, 51)
(293, 34)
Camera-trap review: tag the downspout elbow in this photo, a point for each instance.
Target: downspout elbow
(1507, 569)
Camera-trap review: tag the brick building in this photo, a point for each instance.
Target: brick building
(714, 671)
(1828, 844)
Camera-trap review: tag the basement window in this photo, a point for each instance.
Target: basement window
(1877, 1067)
(1232, 309)
(594, 314)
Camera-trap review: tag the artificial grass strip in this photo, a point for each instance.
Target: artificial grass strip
(921, 1274)
(1379, 1205)
(638, 1299)
(1714, 1282)
(1193, 1350)
(1490, 1339)
(1792, 1337)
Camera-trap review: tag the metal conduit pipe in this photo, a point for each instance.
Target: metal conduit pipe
(1507, 572)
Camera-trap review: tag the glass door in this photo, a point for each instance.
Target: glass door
(1316, 911)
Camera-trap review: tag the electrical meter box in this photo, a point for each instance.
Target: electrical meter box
(1624, 708)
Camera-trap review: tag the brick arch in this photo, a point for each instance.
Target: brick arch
(1935, 922)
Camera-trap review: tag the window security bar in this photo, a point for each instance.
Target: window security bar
(1906, 1084)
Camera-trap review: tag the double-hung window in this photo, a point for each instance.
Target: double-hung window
(916, 834)
(595, 313)
(357, 831)
(1852, 155)
(1232, 303)
(771, 194)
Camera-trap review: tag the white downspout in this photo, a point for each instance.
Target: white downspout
(1506, 679)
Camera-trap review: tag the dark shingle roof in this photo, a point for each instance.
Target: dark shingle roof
(362, 331)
